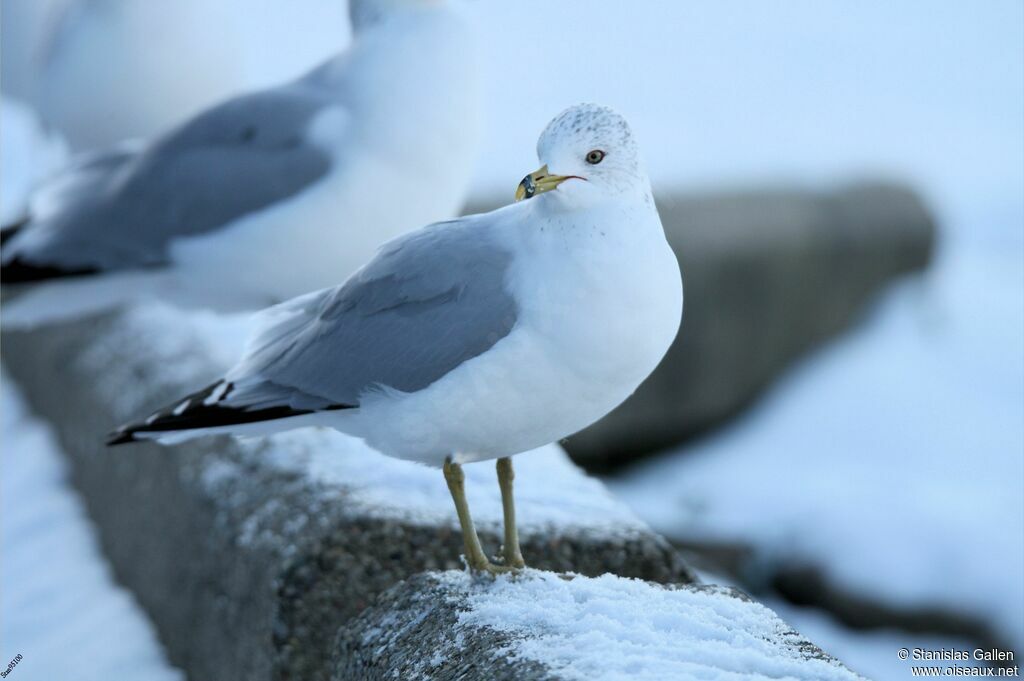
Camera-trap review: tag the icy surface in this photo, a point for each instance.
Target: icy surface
(893, 459)
(550, 489)
(872, 653)
(60, 608)
(614, 628)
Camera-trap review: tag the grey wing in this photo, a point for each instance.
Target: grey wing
(231, 160)
(427, 303)
(83, 177)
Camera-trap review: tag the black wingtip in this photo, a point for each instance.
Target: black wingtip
(120, 437)
(198, 412)
(17, 271)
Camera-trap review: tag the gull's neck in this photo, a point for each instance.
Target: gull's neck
(635, 200)
(416, 61)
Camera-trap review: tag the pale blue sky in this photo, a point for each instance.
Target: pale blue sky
(773, 91)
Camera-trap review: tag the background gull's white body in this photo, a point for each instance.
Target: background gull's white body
(402, 147)
(159, 62)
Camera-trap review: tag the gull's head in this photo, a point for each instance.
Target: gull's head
(366, 13)
(588, 153)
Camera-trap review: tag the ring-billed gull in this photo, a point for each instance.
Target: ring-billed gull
(473, 339)
(269, 195)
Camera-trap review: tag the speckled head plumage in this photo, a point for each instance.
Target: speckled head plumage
(587, 142)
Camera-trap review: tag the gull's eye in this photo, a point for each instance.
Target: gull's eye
(595, 156)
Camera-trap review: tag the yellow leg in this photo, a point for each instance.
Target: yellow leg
(456, 480)
(512, 554)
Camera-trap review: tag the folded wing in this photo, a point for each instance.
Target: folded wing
(428, 302)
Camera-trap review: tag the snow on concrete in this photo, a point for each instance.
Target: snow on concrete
(892, 459)
(550, 489)
(872, 653)
(614, 628)
(60, 608)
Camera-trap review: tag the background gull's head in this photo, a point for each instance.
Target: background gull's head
(366, 13)
(593, 147)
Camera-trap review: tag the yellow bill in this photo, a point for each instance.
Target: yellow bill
(538, 182)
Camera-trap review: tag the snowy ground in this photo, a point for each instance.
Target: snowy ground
(625, 629)
(418, 494)
(873, 654)
(59, 606)
(870, 653)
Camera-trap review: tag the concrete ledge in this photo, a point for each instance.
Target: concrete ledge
(544, 626)
(249, 556)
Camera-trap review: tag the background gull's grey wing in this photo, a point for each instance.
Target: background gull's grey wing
(229, 161)
(428, 302)
(85, 176)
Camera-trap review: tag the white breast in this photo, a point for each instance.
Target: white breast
(606, 304)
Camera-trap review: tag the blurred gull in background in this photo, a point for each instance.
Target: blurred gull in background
(100, 71)
(268, 195)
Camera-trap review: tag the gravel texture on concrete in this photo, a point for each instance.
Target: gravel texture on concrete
(534, 626)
